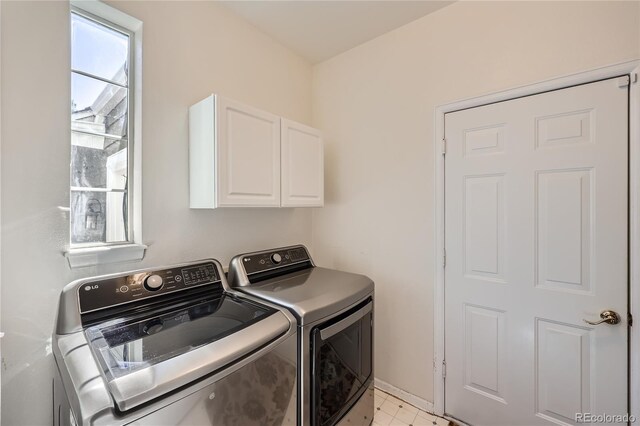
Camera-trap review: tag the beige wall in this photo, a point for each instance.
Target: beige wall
(376, 106)
(190, 50)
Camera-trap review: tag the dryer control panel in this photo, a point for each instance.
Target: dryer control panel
(108, 292)
(263, 261)
(251, 268)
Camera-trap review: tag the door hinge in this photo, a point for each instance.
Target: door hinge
(630, 319)
(624, 81)
(444, 369)
(444, 258)
(444, 146)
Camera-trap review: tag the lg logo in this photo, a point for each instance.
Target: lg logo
(91, 287)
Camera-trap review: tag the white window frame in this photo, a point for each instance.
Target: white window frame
(82, 255)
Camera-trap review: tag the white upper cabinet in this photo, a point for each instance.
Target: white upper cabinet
(234, 155)
(240, 156)
(302, 162)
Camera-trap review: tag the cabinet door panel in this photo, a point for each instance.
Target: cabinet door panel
(248, 151)
(302, 166)
(202, 154)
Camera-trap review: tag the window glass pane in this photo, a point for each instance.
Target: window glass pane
(98, 162)
(99, 133)
(98, 107)
(98, 217)
(98, 50)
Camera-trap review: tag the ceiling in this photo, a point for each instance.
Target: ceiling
(320, 29)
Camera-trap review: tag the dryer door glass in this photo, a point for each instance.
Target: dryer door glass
(342, 352)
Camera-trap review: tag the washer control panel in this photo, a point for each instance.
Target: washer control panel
(100, 294)
(264, 261)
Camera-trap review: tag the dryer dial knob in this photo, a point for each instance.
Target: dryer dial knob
(153, 282)
(276, 258)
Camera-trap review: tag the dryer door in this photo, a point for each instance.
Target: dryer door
(341, 364)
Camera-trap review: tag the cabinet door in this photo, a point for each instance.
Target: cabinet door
(302, 166)
(248, 156)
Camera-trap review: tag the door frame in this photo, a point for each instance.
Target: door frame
(633, 69)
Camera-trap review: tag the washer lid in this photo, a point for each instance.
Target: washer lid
(142, 357)
(314, 293)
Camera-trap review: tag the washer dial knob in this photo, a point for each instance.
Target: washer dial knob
(276, 258)
(153, 282)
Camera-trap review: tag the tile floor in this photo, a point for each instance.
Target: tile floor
(395, 412)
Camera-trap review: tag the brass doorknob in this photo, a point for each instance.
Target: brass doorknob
(610, 317)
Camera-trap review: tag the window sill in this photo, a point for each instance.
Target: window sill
(91, 256)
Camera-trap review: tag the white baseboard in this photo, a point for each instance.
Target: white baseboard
(416, 401)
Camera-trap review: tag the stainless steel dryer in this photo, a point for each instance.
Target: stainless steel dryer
(334, 310)
(172, 346)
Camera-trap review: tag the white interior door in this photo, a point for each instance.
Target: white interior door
(536, 241)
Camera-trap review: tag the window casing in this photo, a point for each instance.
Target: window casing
(104, 214)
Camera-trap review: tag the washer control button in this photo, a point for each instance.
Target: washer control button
(276, 258)
(124, 289)
(153, 282)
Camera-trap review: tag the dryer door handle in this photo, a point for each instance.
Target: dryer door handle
(336, 328)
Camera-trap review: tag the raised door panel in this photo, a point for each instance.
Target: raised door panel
(302, 166)
(563, 371)
(564, 223)
(248, 156)
(484, 227)
(484, 351)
